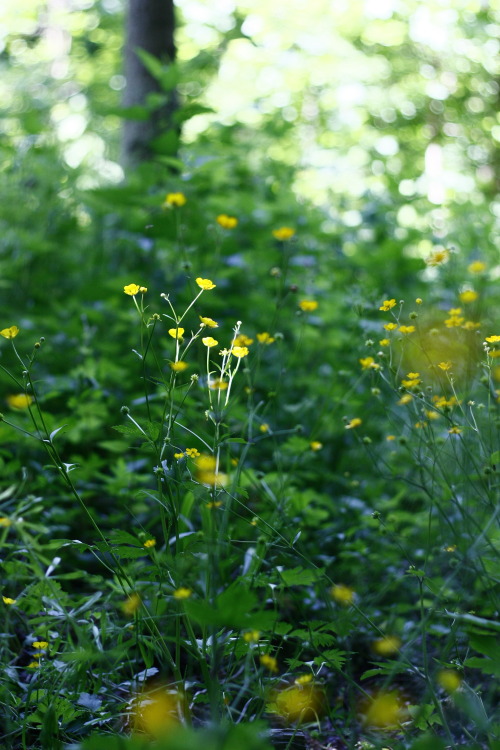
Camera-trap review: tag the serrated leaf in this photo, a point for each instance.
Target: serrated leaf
(300, 576)
(334, 658)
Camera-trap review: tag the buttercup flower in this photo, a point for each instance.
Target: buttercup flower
(19, 401)
(240, 351)
(384, 342)
(315, 445)
(40, 644)
(205, 284)
(283, 233)
(390, 326)
(406, 329)
(251, 636)
(449, 680)
(179, 366)
(5, 522)
(353, 423)
(492, 339)
(387, 646)
(368, 363)
(209, 341)
(131, 604)
(192, 452)
(178, 456)
(150, 543)
(10, 333)
(265, 338)
(385, 710)
(454, 430)
(387, 304)
(182, 593)
(131, 289)
(8, 600)
(208, 322)
(308, 305)
(467, 296)
(176, 333)
(218, 385)
(175, 199)
(445, 365)
(227, 222)
(269, 662)
(342, 594)
(476, 267)
(242, 340)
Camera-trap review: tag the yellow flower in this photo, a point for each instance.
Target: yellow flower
(176, 333)
(206, 462)
(412, 383)
(19, 401)
(265, 338)
(211, 479)
(33, 664)
(471, 325)
(150, 543)
(492, 339)
(208, 322)
(283, 233)
(454, 321)
(209, 341)
(182, 593)
(131, 604)
(390, 438)
(205, 284)
(368, 363)
(390, 326)
(315, 445)
(143, 289)
(131, 289)
(420, 425)
(175, 199)
(431, 414)
(468, 295)
(192, 452)
(387, 304)
(342, 594)
(445, 365)
(384, 342)
(40, 644)
(251, 636)
(300, 702)
(218, 385)
(308, 305)
(240, 351)
(5, 522)
(179, 366)
(441, 402)
(438, 257)
(178, 456)
(450, 548)
(418, 300)
(242, 340)
(213, 503)
(449, 680)
(269, 662)
(384, 711)
(476, 267)
(406, 329)
(157, 712)
(353, 423)
(405, 399)
(8, 600)
(455, 431)
(264, 427)
(387, 646)
(227, 222)
(303, 679)
(10, 333)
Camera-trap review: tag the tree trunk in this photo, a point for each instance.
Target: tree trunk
(150, 26)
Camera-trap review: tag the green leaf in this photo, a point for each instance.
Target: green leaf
(334, 658)
(300, 576)
(188, 111)
(428, 742)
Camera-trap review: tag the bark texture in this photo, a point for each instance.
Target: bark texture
(150, 26)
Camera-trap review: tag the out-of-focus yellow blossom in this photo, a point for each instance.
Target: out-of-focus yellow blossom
(353, 423)
(390, 438)
(315, 445)
(175, 199)
(33, 664)
(209, 322)
(265, 338)
(342, 594)
(179, 366)
(387, 304)
(218, 385)
(467, 296)
(264, 427)
(251, 636)
(205, 284)
(157, 712)
(405, 399)
(209, 341)
(384, 342)
(445, 365)
(176, 333)
(455, 430)
(471, 325)
(131, 604)
(454, 321)
(441, 402)
(5, 522)
(10, 333)
(239, 351)
(449, 680)
(418, 300)
(450, 548)
(412, 380)
(182, 593)
(178, 456)
(308, 305)
(384, 711)
(131, 289)
(227, 222)
(438, 257)
(40, 644)
(368, 363)
(269, 662)
(476, 267)
(211, 479)
(283, 233)
(192, 452)
(213, 504)
(432, 414)
(19, 400)
(299, 702)
(390, 326)
(8, 600)
(492, 339)
(387, 646)
(150, 543)
(406, 329)
(303, 679)
(420, 425)
(242, 340)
